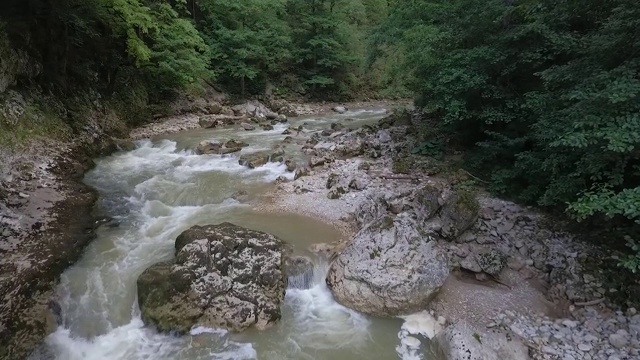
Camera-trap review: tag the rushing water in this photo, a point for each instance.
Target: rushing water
(158, 190)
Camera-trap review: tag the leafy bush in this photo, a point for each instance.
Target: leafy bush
(544, 95)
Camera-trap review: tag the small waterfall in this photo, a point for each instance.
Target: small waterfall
(302, 281)
(307, 273)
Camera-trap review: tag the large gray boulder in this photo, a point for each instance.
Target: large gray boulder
(222, 276)
(389, 268)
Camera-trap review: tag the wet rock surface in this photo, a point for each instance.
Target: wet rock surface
(223, 276)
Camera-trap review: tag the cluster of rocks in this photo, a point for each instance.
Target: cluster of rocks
(254, 160)
(248, 115)
(287, 108)
(209, 113)
(206, 147)
(169, 125)
(251, 160)
(409, 239)
(590, 333)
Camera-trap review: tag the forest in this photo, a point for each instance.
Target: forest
(541, 96)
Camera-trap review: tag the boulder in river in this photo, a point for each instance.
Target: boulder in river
(207, 122)
(247, 126)
(301, 172)
(254, 108)
(124, 144)
(337, 126)
(208, 147)
(222, 276)
(339, 109)
(234, 143)
(389, 268)
(327, 132)
(258, 159)
(291, 165)
(254, 160)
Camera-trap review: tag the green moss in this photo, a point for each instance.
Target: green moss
(402, 165)
(468, 200)
(375, 253)
(36, 121)
(477, 337)
(387, 223)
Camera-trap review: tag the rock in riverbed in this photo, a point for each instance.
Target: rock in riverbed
(247, 126)
(208, 147)
(223, 276)
(389, 268)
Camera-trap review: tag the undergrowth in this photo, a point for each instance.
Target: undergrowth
(36, 121)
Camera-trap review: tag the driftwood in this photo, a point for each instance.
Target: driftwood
(399, 177)
(475, 177)
(590, 303)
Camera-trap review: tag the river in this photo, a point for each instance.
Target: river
(158, 190)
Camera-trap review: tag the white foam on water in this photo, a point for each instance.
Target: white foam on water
(364, 112)
(135, 341)
(272, 170)
(320, 322)
(419, 324)
(157, 167)
(198, 330)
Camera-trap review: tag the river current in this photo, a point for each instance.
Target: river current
(161, 188)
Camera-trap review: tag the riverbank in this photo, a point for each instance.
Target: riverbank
(213, 110)
(542, 296)
(46, 221)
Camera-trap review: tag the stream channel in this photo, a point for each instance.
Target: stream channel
(162, 188)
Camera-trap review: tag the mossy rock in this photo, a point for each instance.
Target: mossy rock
(402, 165)
(492, 262)
(459, 213)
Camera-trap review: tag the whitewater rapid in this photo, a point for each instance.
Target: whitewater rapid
(151, 195)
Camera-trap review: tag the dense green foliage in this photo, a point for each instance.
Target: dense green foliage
(545, 94)
(313, 48)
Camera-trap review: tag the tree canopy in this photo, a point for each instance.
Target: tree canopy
(543, 95)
